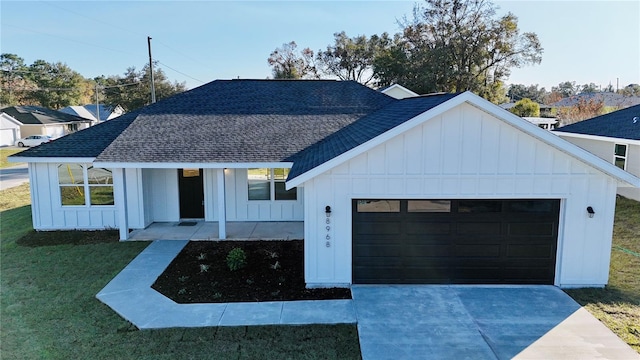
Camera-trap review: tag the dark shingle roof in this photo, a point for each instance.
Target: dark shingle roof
(242, 121)
(36, 115)
(85, 143)
(364, 130)
(623, 124)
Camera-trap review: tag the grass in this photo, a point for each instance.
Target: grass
(4, 154)
(49, 311)
(618, 304)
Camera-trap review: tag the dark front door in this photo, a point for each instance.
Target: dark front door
(455, 241)
(191, 193)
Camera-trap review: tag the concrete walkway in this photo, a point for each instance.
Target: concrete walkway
(208, 230)
(394, 322)
(130, 295)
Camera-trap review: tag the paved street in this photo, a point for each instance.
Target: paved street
(13, 176)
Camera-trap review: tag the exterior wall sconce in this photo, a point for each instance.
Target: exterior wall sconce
(590, 211)
(327, 211)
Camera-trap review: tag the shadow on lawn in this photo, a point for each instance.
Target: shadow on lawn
(73, 237)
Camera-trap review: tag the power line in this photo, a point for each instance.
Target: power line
(180, 72)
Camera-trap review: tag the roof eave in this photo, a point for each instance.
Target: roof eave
(198, 165)
(475, 100)
(597, 137)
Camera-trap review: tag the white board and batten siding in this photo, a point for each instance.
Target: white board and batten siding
(49, 214)
(604, 149)
(464, 153)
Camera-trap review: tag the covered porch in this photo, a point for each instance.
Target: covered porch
(208, 230)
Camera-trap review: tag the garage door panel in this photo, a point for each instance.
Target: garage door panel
(479, 228)
(539, 251)
(532, 229)
(377, 228)
(461, 242)
(413, 227)
(477, 250)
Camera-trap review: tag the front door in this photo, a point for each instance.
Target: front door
(191, 193)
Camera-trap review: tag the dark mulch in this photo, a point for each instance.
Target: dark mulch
(274, 272)
(72, 237)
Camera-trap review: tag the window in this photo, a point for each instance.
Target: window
(365, 206)
(429, 206)
(479, 206)
(79, 182)
(620, 156)
(268, 184)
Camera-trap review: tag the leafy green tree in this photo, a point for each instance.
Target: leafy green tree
(13, 80)
(352, 58)
(457, 45)
(58, 85)
(630, 90)
(133, 90)
(526, 107)
(566, 89)
(589, 88)
(287, 63)
(519, 91)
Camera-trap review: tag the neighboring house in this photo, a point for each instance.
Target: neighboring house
(608, 99)
(398, 92)
(444, 188)
(36, 120)
(543, 122)
(9, 130)
(615, 137)
(96, 113)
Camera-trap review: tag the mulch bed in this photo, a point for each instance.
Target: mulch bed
(274, 271)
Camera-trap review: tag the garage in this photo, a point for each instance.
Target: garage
(400, 241)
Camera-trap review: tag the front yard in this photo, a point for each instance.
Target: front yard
(49, 311)
(48, 306)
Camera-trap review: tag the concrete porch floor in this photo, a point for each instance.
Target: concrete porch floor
(205, 230)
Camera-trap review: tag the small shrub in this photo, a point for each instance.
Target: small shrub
(204, 268)
(236, 259)
(202, 256)
(276, 266)
(182, 291)
(216, 295)
(249, 281)
(183, 278)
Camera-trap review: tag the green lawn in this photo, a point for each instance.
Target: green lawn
(4, 153)
(49, 311)
(48, 306)
(618, 305)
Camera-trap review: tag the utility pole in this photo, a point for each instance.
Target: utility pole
(153, 86)
(97, 105)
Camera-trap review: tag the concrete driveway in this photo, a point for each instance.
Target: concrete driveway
(479, 322)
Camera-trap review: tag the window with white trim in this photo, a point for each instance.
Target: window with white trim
(620, 156)
(269, 184)
(81, 182)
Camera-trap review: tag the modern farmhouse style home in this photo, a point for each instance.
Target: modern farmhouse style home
(442, 188)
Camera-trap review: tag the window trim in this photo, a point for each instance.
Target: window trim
(86, 187)
(621, 157)
(271, 179)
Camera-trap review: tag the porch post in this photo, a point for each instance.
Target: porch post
(120, 195)
(222, 202)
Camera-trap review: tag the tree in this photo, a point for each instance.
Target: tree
(589, 88)
(584, 109)
(630, 90)
(352, 58)
(286, 63)
(457, 45)
(14, 82)
(519, 91)
(566, 89)
(132, 91)
(526, 107)
(57, 85)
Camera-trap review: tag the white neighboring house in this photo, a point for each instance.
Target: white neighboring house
(397, 91)
(445, 188)
(93, 112)
(615, 137)
(36, 120)
(9, 130)
(542, 122)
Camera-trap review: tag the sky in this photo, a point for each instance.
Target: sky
(200, 41)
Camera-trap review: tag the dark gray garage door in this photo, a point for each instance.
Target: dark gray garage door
(454, 241)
